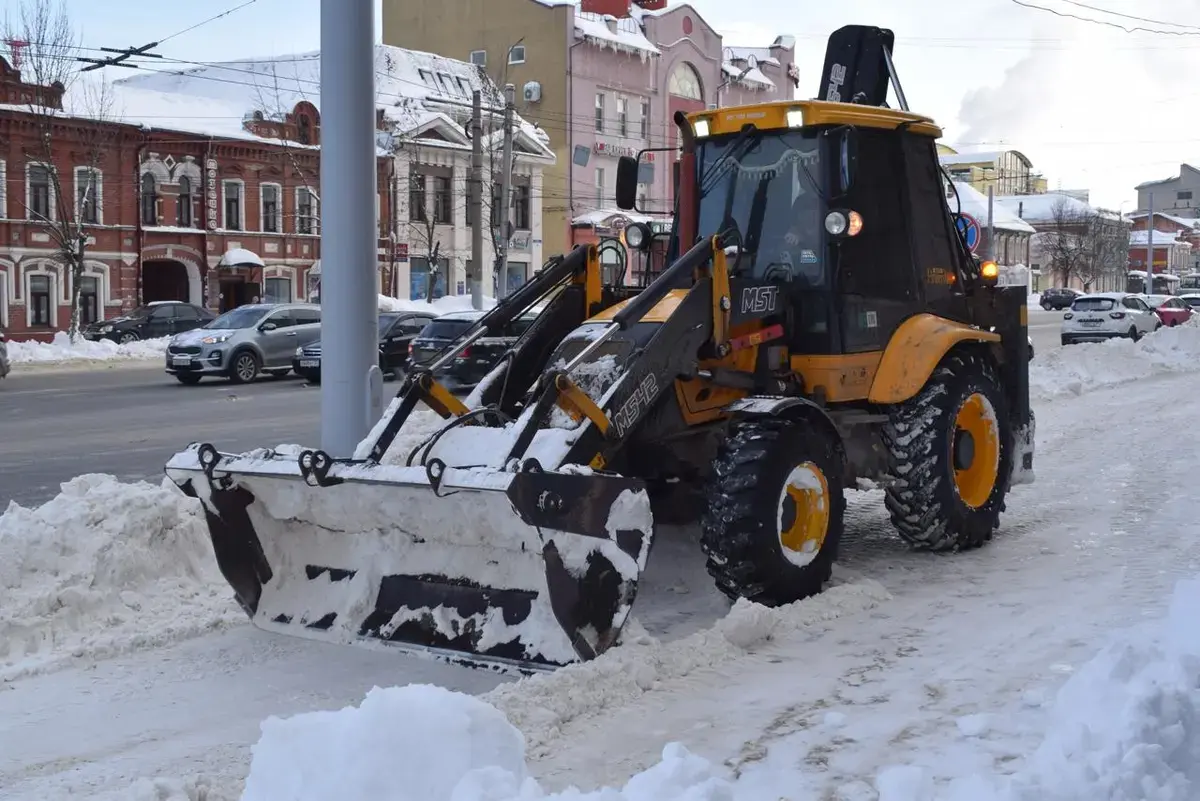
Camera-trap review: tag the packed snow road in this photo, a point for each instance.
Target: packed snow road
(942, 665)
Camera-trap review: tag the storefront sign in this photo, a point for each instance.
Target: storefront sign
(210, 193)
(608, 149)
(520, 241)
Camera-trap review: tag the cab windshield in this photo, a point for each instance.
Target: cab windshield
(768, 185)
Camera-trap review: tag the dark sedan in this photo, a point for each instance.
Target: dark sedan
(470, 366)
(159, 319)
(396, 331)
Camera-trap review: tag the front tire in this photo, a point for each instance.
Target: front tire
(244, 367)
(949, 452)
(126, 337)
(1133, 333)
(775, 506)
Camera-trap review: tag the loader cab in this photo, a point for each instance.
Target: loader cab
(839, 205)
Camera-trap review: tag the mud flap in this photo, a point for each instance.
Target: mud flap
(1022, 461)
(527, 570)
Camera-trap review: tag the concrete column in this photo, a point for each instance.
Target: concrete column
(350, 403)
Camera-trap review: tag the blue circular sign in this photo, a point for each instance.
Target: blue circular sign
(969, 227)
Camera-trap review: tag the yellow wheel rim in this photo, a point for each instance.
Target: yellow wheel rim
(975, 450)
(804, 508)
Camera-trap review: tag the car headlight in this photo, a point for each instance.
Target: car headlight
(299, 352)
(106, 329)
(216, 339)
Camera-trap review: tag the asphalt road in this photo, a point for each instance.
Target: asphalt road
(128, 421)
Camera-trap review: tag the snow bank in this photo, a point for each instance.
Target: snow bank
(1075, 369)
(444, 305)
(423, 743)
(105, 568)
(542, 705)
(60, 349)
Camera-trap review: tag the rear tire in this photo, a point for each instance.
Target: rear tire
(127, 337)
(949, 486)
(244, 367)
(1133, 334)
(775, 507)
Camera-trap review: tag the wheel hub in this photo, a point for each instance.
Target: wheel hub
(975, 450)
(804, 512)
(964, 449)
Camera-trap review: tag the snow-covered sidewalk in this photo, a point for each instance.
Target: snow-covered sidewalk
(915, 678)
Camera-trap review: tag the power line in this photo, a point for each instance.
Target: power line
(1129, 16)
(205, 22)
(1135, 29)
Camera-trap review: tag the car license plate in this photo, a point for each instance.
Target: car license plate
(1087, 321)
(310, 363)
(182, 361)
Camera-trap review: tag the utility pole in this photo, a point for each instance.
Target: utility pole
(351, 384)
(505, 194)
(991, 224)
(476, 200)
(1148, 284)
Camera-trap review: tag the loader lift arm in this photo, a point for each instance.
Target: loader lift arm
(577, 274)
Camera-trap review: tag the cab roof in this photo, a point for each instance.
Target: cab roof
(774, 116)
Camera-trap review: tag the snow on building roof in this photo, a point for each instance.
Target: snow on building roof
(412, 89)
(1160, 238)
(1173, 178)
(761, 54)
(623, 35)
(975, 204)
(1044, 208)
(1187, 222)
(981, 157)
(751, 76)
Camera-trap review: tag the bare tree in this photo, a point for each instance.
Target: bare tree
(1104, 247)
(86, 132)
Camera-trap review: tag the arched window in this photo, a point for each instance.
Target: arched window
(183, 211)
(685, 82)
(305, 131)
(149, 200)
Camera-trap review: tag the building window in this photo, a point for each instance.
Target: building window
(685, 82)
(307, 211)
(1184, 195)
(270, 208)
(183, 209)
(233, 205)
(516, 54)
(599, 188)
(149, 200)
(442, 209)
(478, 58)
(520, 210)
(304, 130)
(463, 86)
(599, 112)
(622, 116)
(89, 299)
(497, 202)
(645, 119)
(39, 300)
(277, 290)
(427, 78)
(416, 197)
(39, 192)
(87, 191)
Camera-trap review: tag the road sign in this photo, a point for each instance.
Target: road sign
(969, 227)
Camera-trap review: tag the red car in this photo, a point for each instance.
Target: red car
(1171, 310)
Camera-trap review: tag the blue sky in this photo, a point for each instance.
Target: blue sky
(1093, 106)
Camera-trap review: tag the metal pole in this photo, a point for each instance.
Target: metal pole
(991, 225)
(1148, 283)
(476, 201)
(505, 194)
(349, 228)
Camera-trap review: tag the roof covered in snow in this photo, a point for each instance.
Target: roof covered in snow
(980, 157)
(975, 203)
(1159, 181)
(1186, 222)
(1044, 208)
(413, 90)
(623, 35)
(1160, 238)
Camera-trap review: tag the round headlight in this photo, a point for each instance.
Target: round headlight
(836, 223)
(636, 236)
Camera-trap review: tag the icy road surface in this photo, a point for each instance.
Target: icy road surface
(951, 672)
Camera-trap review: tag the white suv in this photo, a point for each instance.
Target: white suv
(1107, 315)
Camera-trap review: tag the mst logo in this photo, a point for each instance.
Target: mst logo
(759, 299)
(638, 402)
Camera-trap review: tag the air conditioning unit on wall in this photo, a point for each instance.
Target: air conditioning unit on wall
(533, 92)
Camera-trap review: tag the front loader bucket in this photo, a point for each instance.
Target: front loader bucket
(511, 569)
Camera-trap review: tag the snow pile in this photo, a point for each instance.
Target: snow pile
(1126, 726)
(61, 349)
(443, 305)
(105, 568)
(543, 705)
(1075, 369)
(424, 743)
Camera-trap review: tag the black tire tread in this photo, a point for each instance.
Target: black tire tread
(731, 526)
(921, 500)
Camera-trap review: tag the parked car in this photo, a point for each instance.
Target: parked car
(5, 366)
(162, 318)
(1059, 297)
(243, 342)
(396, 331)
(1171, 310)
(1192, 300)
(1108, 315)
(475, 361)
